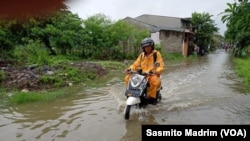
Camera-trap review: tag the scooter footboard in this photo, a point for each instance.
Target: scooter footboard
(133, 100)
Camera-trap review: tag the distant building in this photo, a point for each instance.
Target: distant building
(174, 34)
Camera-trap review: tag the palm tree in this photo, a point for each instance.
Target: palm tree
(229, 13)
(237, 17)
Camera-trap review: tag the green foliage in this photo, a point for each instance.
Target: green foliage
(66, 74)
(6, 39)
(61, 78)
(158, 47)
(237, 17)
(172, 56)
(242, 67)
(23, 97)
(2, 76)
(3, 96)
(114, 40)
(52, 80)
(66, 34)
(205, 28)
(111, 65)
(32, 53)
(29, 97)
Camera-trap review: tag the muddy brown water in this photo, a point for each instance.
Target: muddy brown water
(203, 91)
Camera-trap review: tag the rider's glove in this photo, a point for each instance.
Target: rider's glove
(157, 73)
(154, 72)
(127, 70)
(150, 72)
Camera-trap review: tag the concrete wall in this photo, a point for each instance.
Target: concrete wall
(172, 41)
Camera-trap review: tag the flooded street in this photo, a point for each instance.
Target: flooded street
(203, 91)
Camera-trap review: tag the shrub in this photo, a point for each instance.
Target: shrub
(1, 76)
(33, 53)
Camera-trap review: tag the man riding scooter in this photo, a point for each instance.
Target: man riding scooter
(147, 61)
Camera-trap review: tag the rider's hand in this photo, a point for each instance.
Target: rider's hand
(151, 72)
(127, 70)
(157, 73)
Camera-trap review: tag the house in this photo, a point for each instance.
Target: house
(172, 33)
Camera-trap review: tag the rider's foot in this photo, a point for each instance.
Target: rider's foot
(142, 105)
(152, 101)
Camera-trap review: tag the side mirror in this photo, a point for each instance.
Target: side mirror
(156, 64)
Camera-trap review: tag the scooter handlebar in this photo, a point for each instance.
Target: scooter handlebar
(129, 71)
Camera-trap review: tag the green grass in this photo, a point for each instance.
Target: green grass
(173, 57)
(19, 97)
(111, 64)
(242, 69)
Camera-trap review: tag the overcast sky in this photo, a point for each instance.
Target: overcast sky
(119, 9)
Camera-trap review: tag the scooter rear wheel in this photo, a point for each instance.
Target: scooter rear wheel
(127, 112)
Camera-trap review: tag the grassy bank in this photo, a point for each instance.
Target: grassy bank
(14, 96)
(242, 69)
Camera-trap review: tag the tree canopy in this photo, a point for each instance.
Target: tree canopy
(205, 28)
(237, 17)
(64, 33)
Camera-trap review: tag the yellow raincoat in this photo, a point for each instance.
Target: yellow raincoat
(146, 63)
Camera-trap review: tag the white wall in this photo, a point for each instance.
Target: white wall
(156, 37)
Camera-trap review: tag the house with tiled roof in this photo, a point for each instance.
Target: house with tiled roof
(172, 33)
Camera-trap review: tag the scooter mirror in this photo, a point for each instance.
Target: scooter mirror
(157, 64)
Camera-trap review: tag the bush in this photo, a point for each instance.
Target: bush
(33, 53)
(2, 76)
(158, 47)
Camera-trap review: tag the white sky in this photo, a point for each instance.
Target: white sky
(119, 9)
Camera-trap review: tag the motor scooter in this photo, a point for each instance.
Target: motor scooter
(136, 92)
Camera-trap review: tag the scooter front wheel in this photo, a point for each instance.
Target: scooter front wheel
(127, 111)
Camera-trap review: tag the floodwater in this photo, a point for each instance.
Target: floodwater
(203, 91)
